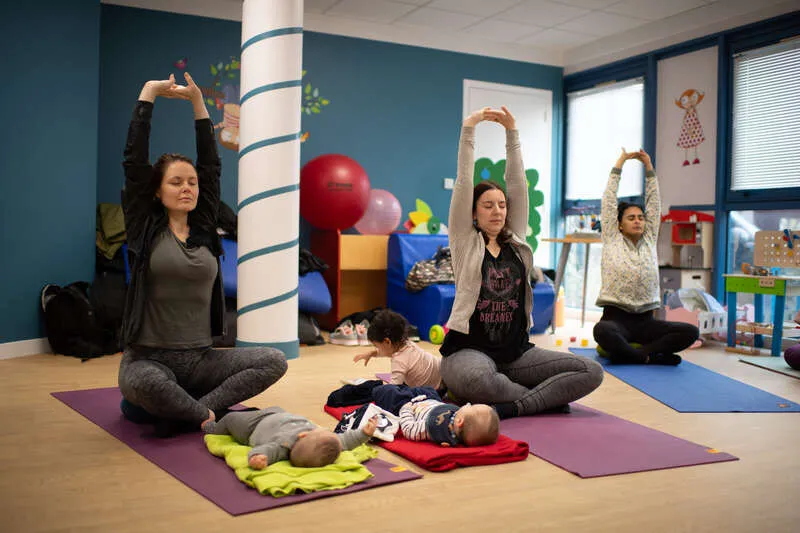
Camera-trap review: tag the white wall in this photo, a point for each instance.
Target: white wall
(693, 184)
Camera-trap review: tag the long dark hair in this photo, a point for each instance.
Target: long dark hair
(487, 185)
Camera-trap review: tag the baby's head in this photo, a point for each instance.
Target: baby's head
(388, 331)
(477, 425)
(315, 448)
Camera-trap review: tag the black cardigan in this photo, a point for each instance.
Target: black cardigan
(145, 216)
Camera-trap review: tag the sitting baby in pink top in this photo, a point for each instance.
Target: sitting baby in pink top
(411, 365)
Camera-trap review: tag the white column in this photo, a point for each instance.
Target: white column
(269, 174)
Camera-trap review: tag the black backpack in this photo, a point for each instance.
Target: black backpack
(72, 324)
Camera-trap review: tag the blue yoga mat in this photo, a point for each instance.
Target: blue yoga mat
(689, 388)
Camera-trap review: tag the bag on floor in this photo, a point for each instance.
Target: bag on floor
(72, 324)
(308, 331)
(438, 269)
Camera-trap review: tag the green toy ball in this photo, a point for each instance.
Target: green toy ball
(437, 333)
(603, 353)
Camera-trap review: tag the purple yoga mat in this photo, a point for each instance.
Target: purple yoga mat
(187, 458)
(591, 443)
(384, 376)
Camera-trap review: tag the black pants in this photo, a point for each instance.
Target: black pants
(618, 328)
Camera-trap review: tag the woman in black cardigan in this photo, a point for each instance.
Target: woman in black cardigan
(169, 372)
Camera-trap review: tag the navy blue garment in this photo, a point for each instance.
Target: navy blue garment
(353, 394)
(393, 397)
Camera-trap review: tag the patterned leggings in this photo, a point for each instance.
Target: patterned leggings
(537, 381)
(185, 384)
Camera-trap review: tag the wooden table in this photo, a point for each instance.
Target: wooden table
(778, 286)
(577, 238)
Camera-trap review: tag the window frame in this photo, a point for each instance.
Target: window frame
(594, 203)
(728, 42)
(738, 42)
(623, 71)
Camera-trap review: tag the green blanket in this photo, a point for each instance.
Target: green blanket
(281, 478)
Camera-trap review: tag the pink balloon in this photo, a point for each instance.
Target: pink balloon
(383, 214)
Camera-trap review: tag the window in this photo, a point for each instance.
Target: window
(766, 118)
(742, 227)
(600, 121)
(574, 271)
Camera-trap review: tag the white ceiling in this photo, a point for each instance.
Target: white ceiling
(575, 34)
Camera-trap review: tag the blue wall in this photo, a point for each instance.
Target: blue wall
(137, 45)
(49, 154)
(395, 109)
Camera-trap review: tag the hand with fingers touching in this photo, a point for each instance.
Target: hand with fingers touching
(365, 357)
(502, 116)
(624, 156)
(169, 89)
(155, 88)
(476, 117)
(190, 91)
(642, 156)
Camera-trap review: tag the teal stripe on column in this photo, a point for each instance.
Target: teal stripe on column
(268, 142)
(269, 87)
(272, 33)
(269, 301)
(290, 349)
(266, 194)
(268, 250)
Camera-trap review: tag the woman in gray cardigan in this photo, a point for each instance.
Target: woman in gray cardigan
(488, 357)
(630, 291)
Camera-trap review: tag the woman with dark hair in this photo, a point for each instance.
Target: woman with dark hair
(488, 356)
(169, 373)
(628, 332)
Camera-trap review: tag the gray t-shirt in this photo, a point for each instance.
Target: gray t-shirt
(180, 281)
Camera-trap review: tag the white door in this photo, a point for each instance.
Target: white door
(533, 110)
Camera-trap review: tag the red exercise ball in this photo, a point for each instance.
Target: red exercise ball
(334, 192)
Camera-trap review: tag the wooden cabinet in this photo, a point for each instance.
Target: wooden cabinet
(356, 276)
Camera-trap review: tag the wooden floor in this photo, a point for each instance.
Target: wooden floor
(62, 473)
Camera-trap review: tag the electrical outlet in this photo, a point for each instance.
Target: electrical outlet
(448, 183)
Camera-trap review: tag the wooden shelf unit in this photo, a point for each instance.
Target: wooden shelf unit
(356, 276)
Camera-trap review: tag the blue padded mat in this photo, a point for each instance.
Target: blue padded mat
(689, 388)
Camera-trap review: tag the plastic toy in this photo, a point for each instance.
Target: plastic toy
(437, 333)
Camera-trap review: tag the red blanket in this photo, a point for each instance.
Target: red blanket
(437, 458)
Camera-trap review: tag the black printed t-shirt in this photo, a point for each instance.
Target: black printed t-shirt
(498, 326)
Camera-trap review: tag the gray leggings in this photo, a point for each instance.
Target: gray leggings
(185, 384)
(539, 380)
